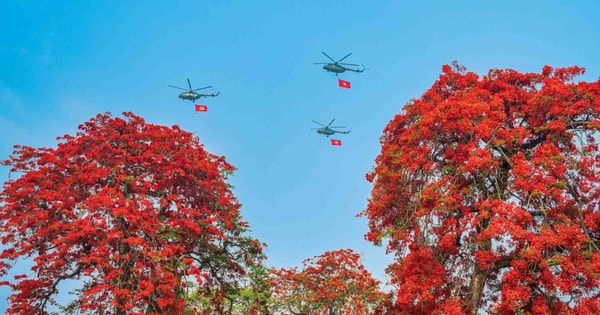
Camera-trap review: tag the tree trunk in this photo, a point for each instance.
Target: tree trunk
(479, 278)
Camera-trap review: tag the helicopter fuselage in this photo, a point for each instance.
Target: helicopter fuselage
(328, 131)
(190, 96)
(332, 67)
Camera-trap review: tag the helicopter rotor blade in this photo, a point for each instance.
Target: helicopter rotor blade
(331, 122)
(344, 57)
(206, 87)
(321, 63)
(338, 127)
(189, 84)
(326, 55)
(316, 122)
(350, 64)
(176, 87)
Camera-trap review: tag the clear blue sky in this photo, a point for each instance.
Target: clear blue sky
(63, 62)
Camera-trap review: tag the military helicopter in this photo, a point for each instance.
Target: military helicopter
(191, 95)
(338, 66)
(326, 130)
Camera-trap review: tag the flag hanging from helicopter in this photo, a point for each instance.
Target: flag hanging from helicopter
(336, 142)
(201, 108)
(344, 84)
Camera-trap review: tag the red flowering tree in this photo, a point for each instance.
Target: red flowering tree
(136, 212)
(333, 283)
(248, 295)
(487, 190)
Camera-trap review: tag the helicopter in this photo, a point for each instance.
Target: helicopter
(191, 94)
(338, 66)
(327, 130)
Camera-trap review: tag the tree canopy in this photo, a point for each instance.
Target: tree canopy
(487, 189)
(333, 283)
(138, 213)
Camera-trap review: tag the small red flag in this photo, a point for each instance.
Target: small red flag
(336, 142)
(201, 108)
(344, 84)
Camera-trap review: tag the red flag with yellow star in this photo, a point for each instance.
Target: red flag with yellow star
(344, 84)
(336, 142)
(201, 108)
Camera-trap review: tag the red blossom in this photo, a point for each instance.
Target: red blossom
(335, 282)
(132, 210)
(487, 191)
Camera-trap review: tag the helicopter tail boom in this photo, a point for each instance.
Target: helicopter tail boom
(343, 132)
(356, 70)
